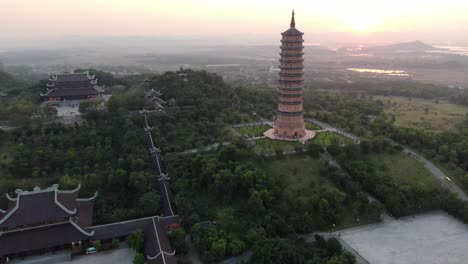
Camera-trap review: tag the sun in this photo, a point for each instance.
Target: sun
(362, 23)
(361, 16)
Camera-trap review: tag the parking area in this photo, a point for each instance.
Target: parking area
(433, 238)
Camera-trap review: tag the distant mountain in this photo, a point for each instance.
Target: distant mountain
(415, 46)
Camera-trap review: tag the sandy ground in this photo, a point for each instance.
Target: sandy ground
(433, 238)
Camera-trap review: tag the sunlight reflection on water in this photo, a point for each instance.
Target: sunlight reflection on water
(379, 71)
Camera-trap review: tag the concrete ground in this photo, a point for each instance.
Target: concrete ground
(118, 256)
(433, 238)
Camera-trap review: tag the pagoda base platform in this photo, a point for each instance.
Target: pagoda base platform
(309, 135)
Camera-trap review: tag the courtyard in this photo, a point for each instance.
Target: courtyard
(116, 256)
(432, 238)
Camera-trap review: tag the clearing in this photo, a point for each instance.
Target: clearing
(405, 169)
(327, 138)
(420, 113)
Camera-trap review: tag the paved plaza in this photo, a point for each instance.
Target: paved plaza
(434, 238)
(117, 256)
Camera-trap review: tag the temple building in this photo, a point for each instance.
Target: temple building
(72, 86)
(289, 123)
(45, 220)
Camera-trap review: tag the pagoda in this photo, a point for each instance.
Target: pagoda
(289, 124)
(72, 86)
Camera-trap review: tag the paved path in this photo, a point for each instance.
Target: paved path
(243, 258)
(192, 252)
(438, 174)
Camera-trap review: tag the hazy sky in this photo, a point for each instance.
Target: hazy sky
(228, 17)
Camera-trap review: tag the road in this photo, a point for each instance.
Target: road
(438, 174)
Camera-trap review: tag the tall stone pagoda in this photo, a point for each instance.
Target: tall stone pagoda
(289, 123)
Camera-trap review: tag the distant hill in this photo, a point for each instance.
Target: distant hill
(8, 82)
(415, 46)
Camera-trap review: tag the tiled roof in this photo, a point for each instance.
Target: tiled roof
(292, 31)
(35, 208)
(73, 77)
(41, 237)
(92, 90)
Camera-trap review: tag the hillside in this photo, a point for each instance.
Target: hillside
(8, 82)
(414, 46)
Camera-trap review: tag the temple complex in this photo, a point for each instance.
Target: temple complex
(289, 123)
(72, 86)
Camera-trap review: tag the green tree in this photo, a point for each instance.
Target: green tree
(255, 234)
(136, 241)
(218, 248)
(177, 237)
(139, 259)
(148, 204)
(236, 247)
(67, 183)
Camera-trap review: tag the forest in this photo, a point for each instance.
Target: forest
(252, 205)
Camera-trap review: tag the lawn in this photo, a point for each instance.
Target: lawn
(312, 126)
(326, 138)
(301, 173)
(405, 169)
(420, 113)
(252, 131)
(301, 177)
(266, 146)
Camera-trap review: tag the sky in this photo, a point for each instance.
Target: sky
(55, 18)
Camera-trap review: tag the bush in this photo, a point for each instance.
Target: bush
(97, 245)
(115, 243)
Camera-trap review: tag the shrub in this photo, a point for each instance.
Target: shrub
(115, 243)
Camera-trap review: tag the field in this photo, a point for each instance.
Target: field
(312, 126)
(252, 131)
(405, 170)
(420, 113)
(266, 146)
(326, 138)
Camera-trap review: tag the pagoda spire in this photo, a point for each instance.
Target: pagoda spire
(293, 22)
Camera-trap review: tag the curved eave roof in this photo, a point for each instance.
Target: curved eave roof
(292, 31)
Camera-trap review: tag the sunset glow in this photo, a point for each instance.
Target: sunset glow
(221, 17)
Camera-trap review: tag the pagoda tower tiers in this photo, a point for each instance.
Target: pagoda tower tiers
(289, 121)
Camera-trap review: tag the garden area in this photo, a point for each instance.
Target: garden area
(328, 138)
(270, 147)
